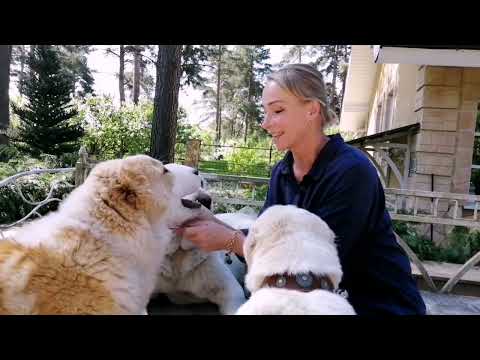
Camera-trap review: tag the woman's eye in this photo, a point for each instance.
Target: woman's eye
(278, 111)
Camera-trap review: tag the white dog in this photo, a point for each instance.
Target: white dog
(189, 275)
(293, 265)
(100, 252)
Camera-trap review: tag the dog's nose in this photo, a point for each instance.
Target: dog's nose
(195, 171)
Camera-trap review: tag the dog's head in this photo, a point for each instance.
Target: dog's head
(189, 182)
(141, 184)
(287, 239)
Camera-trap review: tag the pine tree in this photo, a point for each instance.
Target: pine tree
(74, 64)
(332, 61)
(219, 72)
(296, 54)
(19, 58)
(45, 121)
(253, 65)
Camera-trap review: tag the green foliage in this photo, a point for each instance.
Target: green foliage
(253, 159)
(113, 132)
(8, 152)
(246, 162)
(462, 244)
(46, 125)
(185, 131)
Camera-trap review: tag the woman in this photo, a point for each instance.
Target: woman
(337, 182)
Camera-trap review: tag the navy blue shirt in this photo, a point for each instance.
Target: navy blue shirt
(344, 190)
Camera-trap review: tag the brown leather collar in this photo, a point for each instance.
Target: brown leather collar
(295, 282)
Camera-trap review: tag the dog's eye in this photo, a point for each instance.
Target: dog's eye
(251, 245)
(165, 170)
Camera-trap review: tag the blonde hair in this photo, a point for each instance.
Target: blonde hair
(305, 82)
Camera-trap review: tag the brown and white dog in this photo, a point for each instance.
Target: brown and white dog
(284, 244)
(101, 251)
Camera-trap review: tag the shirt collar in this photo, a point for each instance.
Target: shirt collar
(323, 158)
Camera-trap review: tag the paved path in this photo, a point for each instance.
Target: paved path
(436, 305)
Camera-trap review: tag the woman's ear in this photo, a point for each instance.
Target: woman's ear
(314, 110)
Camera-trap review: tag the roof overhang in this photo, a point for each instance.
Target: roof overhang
(449, 55)
(360, 84)
(385, 136)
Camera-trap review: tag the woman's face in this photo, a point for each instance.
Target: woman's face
(286, 116)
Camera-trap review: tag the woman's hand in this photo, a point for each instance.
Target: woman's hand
(210, 235)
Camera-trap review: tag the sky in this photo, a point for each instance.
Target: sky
(106, 83)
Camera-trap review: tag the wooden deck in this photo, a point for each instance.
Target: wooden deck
(469, 284)
(444, 271)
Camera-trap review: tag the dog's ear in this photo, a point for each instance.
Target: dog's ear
(125, 194)
(249, 246)
(130, 188)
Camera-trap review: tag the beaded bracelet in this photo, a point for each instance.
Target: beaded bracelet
(230, 246)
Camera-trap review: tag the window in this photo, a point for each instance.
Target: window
(378, 119)
(389, 112)
(475, 175)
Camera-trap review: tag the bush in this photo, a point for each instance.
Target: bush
(462, 244)
(12, 206)
(252, 160)
(116, 132)
(35, 187)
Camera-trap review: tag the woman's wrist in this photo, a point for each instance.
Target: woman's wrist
(235, 242)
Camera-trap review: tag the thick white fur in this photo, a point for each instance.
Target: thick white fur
(286, 239)
(190, 275)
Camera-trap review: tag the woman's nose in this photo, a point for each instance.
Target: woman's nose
(264, 123)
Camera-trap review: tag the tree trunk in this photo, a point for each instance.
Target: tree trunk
(5, 58)
(250, 100)
(344, 80)
(218, 117)
(334, 77)
(164, 127)
(345, 72)
(136, 75)
(21, 74)
(121, 75)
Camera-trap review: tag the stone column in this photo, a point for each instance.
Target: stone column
(445, 104)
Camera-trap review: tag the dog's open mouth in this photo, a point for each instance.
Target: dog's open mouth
(201, 199)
